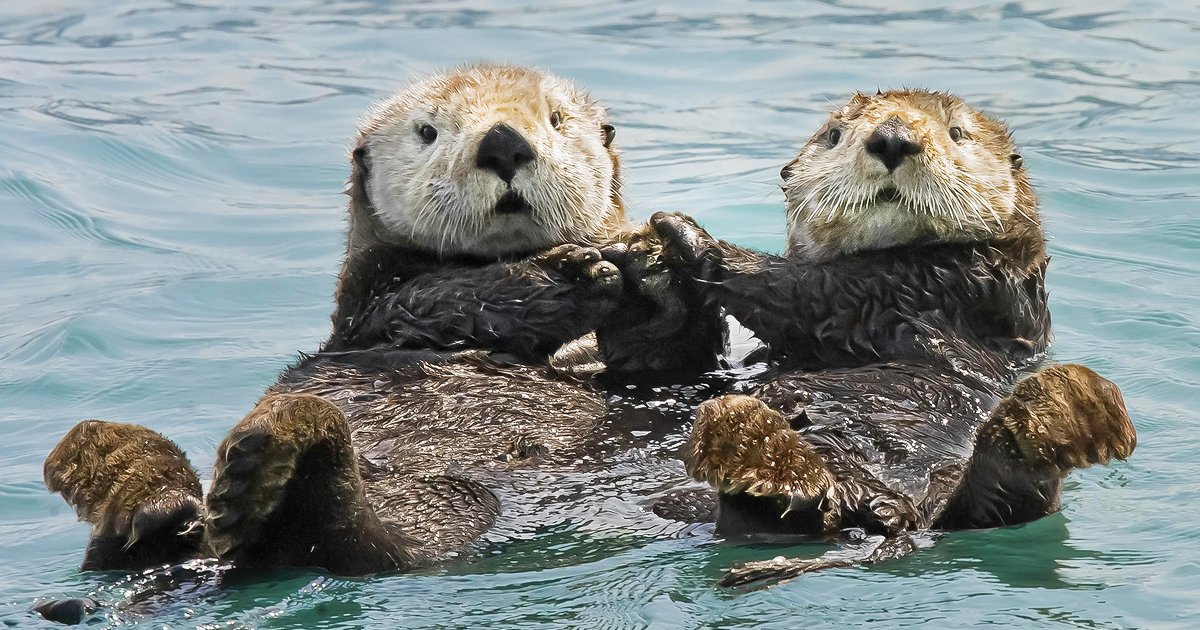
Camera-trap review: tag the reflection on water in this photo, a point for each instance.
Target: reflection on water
(170, 175)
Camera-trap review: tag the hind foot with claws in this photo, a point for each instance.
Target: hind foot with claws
(137, 490)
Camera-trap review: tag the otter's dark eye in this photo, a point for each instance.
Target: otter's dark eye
(1016, 160)
(833, 136)
(610, 132)
(428, 133)
(555, 119)
(956, 133)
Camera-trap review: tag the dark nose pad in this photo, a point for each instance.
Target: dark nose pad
(891, 145)
(503, 151)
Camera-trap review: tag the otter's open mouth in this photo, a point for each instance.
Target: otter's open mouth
(512, 203)
(887, 194)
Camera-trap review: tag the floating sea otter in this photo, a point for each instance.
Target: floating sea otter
(910, 299)
(456, 288)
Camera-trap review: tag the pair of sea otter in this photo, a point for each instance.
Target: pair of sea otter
(904, 329)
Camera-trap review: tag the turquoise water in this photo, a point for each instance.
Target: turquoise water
(171, 225)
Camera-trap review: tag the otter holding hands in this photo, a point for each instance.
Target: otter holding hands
(910, 299)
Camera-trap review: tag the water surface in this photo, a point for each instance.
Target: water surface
(171, 226)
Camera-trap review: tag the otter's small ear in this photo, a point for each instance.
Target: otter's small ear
(1016, 160)
(610, 132)
(360, 157)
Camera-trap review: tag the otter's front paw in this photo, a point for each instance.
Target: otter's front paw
(137, 490)
(664, 324)
(686, 244)
(1061, 417)
(739, 445)
(583, 266)
(656, 302)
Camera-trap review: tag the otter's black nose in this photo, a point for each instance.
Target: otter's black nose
(890, 143)
(503, 151)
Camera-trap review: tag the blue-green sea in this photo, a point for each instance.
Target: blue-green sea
(171, 223)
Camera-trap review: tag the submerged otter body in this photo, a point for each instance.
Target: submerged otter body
(906, 326)
(476, 200)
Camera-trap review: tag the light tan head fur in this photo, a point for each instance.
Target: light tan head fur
(416, 181)
(952, 174)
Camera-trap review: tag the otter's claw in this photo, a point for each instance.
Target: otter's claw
(583, 264)
(662, 323)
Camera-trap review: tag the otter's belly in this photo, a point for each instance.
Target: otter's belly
(550, 447)
(900, 422)
(460, 414)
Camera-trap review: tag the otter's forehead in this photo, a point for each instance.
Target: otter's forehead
(912, 103)
(479, 94)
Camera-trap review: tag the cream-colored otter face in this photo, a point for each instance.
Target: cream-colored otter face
(904, 167)
(489, 160)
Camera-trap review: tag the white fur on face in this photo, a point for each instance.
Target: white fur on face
(435, 197)
(842, 199)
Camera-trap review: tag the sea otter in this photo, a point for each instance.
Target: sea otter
(905, 325)
(477, 198)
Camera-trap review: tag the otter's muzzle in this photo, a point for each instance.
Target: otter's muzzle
(503, 151)
(891, 142)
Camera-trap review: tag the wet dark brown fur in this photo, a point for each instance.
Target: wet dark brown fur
(891, 404)
(421, 434)
(378, 452)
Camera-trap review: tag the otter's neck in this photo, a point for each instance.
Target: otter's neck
(375, 264)
(375, 258)
(363, 245)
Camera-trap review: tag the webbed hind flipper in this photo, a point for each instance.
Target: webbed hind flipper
(776, 571)
(1060, 418)
(287, 491)
(761, 468)
(137, 490)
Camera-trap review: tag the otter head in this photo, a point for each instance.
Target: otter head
(486, 160)
(902, 168)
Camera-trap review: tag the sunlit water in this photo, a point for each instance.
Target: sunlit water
(171, 223)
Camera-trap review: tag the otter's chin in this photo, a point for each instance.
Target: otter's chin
(509, 234)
